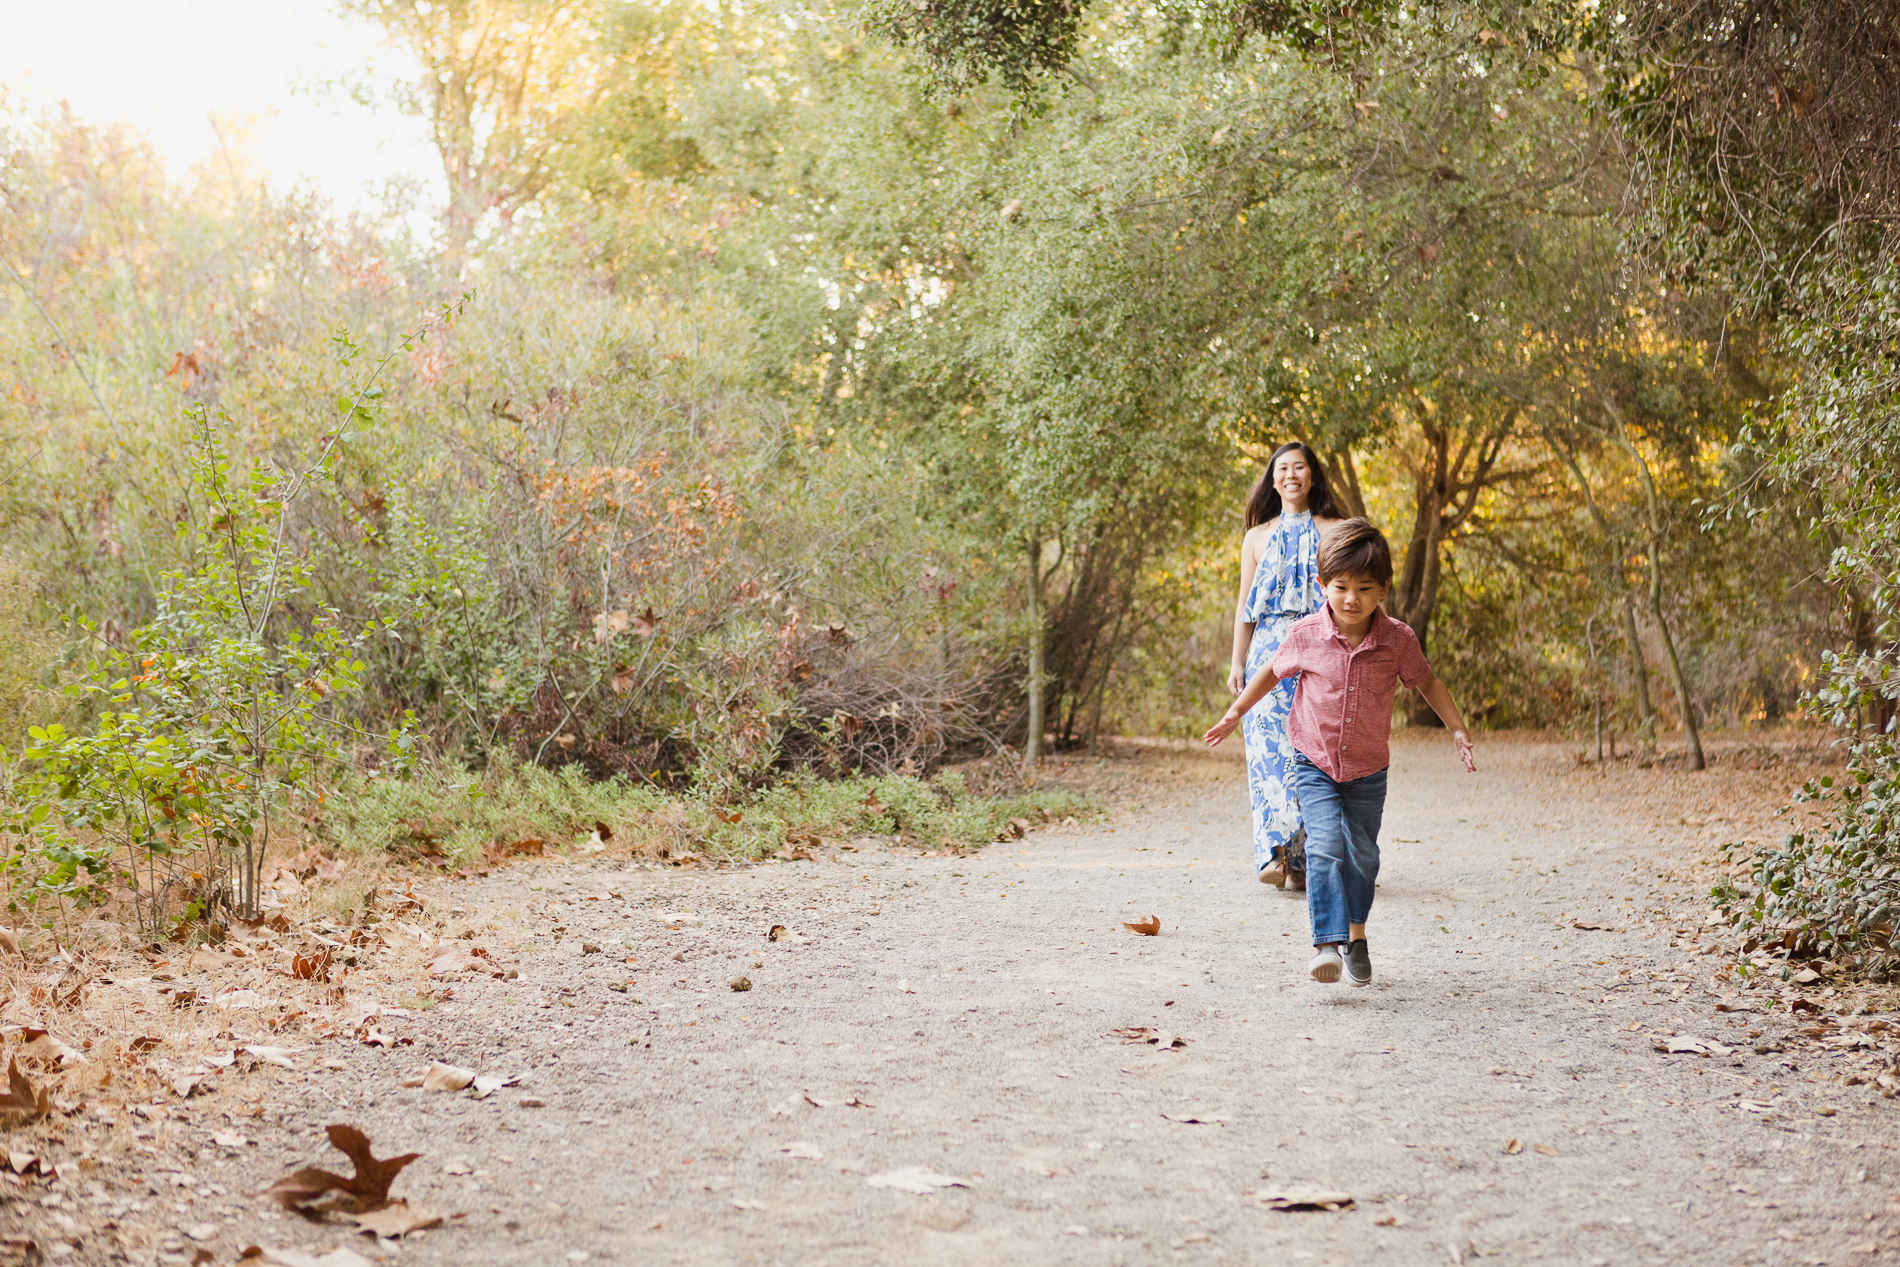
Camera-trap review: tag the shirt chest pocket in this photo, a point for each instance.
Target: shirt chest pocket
(1371, 682)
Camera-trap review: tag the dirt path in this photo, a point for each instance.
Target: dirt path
(955, 1014)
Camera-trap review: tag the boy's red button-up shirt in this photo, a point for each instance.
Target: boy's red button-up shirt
(1342, 709)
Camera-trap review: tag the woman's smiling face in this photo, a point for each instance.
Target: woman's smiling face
(1292, 478)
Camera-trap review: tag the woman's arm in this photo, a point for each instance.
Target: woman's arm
(1243, 623)
(1439, 698)
(1256, 691)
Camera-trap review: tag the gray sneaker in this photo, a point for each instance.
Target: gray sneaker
(1325, 965)
(1358, 963)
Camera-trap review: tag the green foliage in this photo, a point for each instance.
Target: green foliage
(803, 392)
(27, 652)
(1836, 888)
(210, 718)
(469, 814)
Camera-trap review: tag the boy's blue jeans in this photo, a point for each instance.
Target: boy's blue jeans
(1342, 847)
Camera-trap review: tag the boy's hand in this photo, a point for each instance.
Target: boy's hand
(1462, 742)
(1221, 729)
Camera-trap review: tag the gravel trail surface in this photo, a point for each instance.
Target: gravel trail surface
(1496, 1093)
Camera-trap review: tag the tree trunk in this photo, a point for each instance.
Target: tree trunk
(1415, 589)
(1687, 702)
(1639, 669)
(1342, 476)
(1689, 727)
(1032, 745)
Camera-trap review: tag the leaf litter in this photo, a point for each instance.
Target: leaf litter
(1150, 927)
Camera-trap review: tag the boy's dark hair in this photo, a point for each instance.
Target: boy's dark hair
(1355, 548)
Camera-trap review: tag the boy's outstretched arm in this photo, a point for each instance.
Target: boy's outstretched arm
(1256, 691)
(1440, 699)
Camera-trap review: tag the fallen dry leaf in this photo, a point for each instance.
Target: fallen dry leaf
(914, 1179)
(1149, 927)
(398, 1218)
(270, 1256)
(1148, 1034)
(145, 1043)
(22, 1096)
(1515, 1147)
(463, 959)
(279, 1056)
(1689, 1047)
(486, 1084)
(1545, 1149)
(1194, 1117)
(1303, 1198)
(741, 983)
(312, 963)
(229, 1139)
(42, 1046)
(437, 1076)
(367, 1189)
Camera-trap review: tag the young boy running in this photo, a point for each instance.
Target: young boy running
(1350, 658)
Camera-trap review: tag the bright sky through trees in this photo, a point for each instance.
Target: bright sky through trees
(168, 66)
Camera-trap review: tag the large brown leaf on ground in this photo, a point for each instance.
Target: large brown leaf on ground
(367, 1189)
(22, 1096)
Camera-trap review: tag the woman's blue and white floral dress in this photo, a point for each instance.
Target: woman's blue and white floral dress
(1285, 588)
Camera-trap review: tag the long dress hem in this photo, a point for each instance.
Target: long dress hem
(1285, 589)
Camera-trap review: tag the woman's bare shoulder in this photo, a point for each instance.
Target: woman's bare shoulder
(1260, 532)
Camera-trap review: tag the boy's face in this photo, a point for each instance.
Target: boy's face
(1353, 599)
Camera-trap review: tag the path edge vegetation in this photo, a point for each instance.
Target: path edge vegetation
(833, 409)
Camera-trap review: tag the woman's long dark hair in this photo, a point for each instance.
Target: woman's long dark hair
(1263, 504)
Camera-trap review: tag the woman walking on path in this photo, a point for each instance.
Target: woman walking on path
(1287, 512)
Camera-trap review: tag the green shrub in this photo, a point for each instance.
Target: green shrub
(458, 816)
(1835, 889)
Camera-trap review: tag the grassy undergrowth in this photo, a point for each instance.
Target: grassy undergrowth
(461, 817)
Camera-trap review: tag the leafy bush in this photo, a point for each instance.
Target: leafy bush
(1836, 890)
(209, 720)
